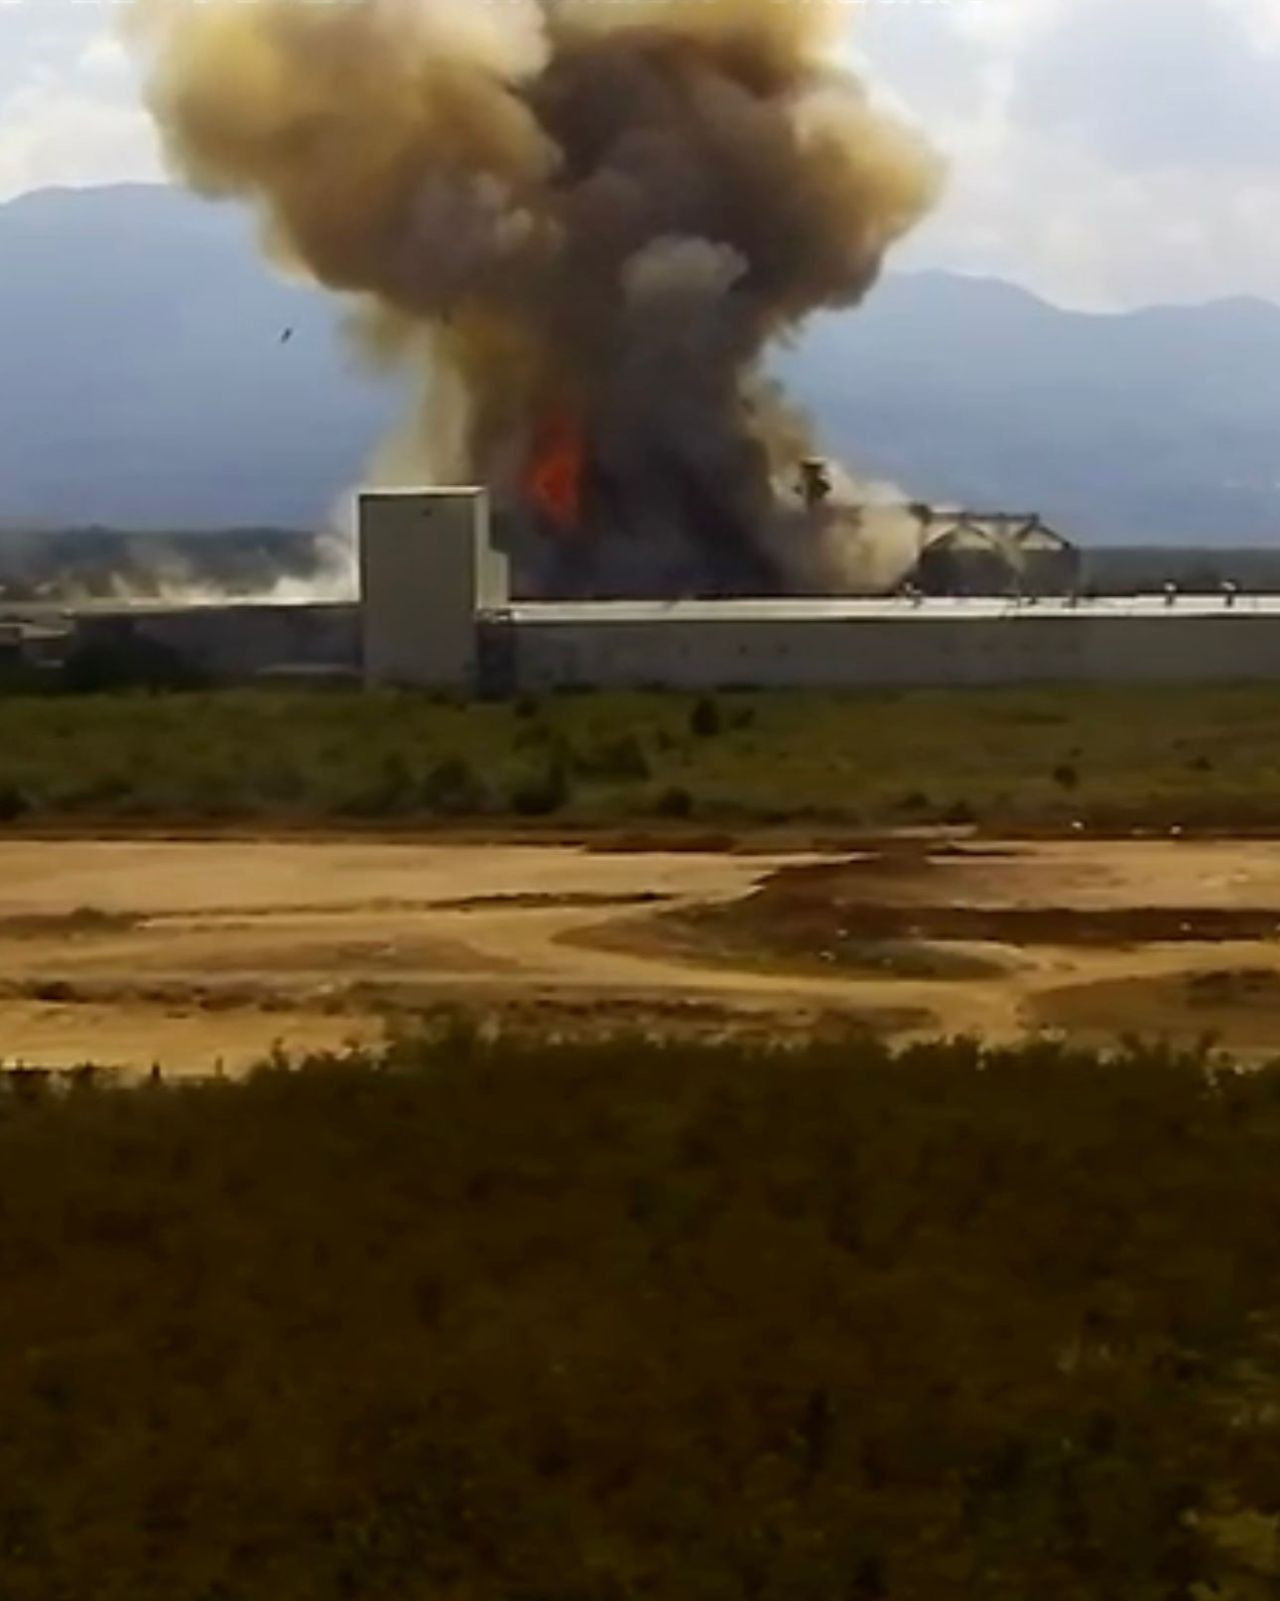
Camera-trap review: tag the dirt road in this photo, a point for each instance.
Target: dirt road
(199, 956)
(195, 956)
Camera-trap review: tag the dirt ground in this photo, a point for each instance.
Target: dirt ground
(202, 957)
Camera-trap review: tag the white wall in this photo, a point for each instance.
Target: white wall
(906, 651)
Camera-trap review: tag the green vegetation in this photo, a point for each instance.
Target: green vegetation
(141, 663)
(512, 1322)
(1101, 758)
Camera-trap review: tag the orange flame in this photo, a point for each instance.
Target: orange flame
(556, 470)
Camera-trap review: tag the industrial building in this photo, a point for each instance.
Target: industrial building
(436, 611)
(237, 640)
(986, 553)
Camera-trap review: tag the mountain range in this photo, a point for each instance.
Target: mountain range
(158, 374)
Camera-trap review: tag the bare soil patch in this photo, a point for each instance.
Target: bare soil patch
(1090, 896)
(946, 913)
(189, 953)
(208, 952)
(1237, 1008)
(84, 922)
(550, 902)
(840, 926)
(728, 937)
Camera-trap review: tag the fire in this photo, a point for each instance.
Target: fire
(556, 470)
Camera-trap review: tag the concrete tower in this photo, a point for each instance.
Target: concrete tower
(427, 569)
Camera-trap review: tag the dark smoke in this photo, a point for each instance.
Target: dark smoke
(583, 220)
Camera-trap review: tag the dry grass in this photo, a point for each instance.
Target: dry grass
(84, 922)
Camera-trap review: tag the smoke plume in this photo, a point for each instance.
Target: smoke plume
(584, 222)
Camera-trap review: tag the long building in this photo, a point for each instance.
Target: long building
(437, 612)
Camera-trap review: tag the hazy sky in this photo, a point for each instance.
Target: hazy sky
(1104, 152)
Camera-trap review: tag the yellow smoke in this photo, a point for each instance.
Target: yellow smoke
(329, 114)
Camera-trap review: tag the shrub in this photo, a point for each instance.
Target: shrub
(131, 661)
(100, 793)
(533, 736)
(509, 1320)
(543, 792)
(453, 789)
(674, 802)
(1066, 776)
(280, 784)
(623, 759)
(14, 803)
(21, 678)
(391, 794)
(706, 719)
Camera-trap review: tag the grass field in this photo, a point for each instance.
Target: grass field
(1110, 758)
(515, 1323)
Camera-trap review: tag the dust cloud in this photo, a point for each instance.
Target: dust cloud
(583, 224)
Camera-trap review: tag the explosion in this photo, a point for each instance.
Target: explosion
(555, 478)
(583, 223)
